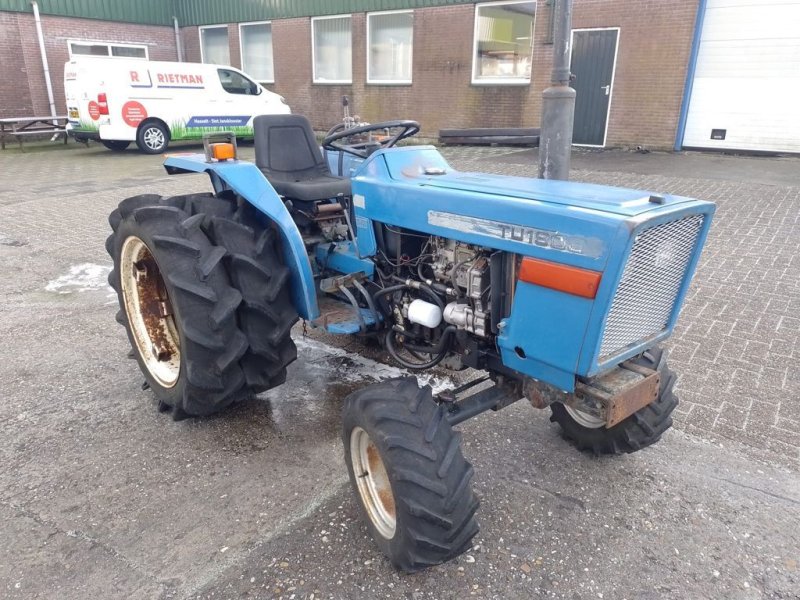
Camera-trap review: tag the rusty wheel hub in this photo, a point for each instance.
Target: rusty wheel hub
(373, 483)
(586, 419)
(149, 312)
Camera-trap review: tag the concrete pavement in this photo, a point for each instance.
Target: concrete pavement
(103, 497)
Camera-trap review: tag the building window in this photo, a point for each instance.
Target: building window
(503, 42)
(331, 46)
(90, 48)
(256, 46)
(214, 47)
(390, 37)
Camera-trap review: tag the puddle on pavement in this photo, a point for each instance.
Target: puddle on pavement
(85, 277)
(7, 241)
(321, 360)
(307, 408)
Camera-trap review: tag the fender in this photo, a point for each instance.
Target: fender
(246, 180)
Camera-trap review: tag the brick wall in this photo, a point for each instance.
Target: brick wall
(15, 94)
(22, 87)
(654, 47)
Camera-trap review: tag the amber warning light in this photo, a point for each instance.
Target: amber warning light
(220, 146)
(571, 280)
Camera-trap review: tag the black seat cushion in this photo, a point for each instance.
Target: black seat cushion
(288, 155)
(312, 190)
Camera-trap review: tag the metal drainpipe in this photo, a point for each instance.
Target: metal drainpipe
(177, 38)
(44, 60)
(688, 85)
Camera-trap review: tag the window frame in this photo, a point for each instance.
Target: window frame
(241, 50)
(512, 81)
(369, 44)
(108, 46)
(241, 74)
(314, 52)
(200, 30)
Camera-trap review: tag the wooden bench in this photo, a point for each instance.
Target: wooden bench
(21, 127)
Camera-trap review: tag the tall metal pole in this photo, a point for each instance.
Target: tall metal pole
(558, 101)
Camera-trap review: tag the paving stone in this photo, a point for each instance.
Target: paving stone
(735, 347)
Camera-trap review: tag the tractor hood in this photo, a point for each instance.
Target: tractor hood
(426, 167)
(573, 223)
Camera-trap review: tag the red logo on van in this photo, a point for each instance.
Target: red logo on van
(94, 110)
(133, 113)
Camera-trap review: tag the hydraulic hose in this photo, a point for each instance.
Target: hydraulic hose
(440, 349)
(418, 285)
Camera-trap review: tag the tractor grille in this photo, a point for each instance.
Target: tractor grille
(646, 295)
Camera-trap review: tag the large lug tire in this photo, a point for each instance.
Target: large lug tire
(643, 428)
(194, 309)
(152, 137)
(115, 145)
(410, 478)
(266, 314)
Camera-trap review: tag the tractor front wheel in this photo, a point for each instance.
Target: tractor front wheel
(643, 428)
(411, 480)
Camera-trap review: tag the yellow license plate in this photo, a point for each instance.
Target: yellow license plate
(73, 113)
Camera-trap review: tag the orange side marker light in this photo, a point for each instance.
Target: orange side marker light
(223, 151)
(564, 278)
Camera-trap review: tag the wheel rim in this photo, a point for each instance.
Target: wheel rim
(373, 483)
(149, 312)
(586, 419)
(153, 138)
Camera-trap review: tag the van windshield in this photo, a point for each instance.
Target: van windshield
(236, 83)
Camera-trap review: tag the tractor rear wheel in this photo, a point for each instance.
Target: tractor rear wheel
(411, 480)
(253, 261)
(643, 428)
(182, 310)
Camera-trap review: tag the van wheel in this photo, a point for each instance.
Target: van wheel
(115, 145)
(152, 137)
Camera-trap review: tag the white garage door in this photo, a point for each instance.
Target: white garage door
(746, 92)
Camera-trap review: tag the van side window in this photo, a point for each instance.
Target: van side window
(236, 83)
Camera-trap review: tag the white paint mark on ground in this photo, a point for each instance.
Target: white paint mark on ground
(360, 368)
(86, 277)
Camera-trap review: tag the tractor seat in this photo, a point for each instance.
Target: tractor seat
(288, 155)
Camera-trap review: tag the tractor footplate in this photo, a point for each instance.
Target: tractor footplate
(339, 317)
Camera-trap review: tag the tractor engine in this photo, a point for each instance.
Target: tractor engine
(465, 269)
(442, 300)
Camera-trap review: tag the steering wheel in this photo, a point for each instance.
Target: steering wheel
(407, 129)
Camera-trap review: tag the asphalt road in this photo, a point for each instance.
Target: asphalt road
(101, 496)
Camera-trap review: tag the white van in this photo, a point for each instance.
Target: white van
(119, 101)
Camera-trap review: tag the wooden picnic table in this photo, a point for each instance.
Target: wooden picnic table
(20, 127)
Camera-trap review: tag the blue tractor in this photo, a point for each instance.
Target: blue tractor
(556, 292)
